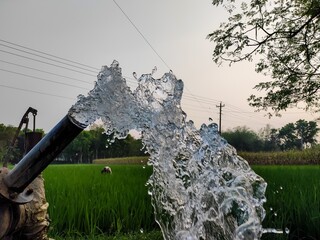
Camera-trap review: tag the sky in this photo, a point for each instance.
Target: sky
(52, 51)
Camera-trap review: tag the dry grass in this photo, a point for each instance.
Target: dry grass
(141, 160)
(293, 157)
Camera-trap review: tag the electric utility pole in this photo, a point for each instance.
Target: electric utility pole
(220, 106)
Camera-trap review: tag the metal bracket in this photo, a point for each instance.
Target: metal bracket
(13, 197)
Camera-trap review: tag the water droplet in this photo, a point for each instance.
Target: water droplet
(281, 188)
(271, 209)
(135, 75)
(154, 70)
(114, 64)
(272, 230)
(141, 230)
(286, 230)
(275, 214)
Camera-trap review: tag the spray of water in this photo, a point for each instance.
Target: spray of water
(200, 188)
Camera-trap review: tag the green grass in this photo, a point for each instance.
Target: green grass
(84, 201)
(293, 200)
(84, 204)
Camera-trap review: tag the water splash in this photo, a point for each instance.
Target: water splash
(277, 231)
(134, 74)
(154, 70)
(200, 188)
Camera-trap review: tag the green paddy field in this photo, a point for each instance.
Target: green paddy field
(84, 204)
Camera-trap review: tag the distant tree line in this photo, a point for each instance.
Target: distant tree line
(6, 135)
(93, 143)
(88, 145)
(293, 136)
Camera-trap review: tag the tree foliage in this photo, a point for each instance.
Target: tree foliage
(243, 139)
(6, 135)
(306, 132)
(287, 137)
(13, 153)
(93, 143)
(299, 135)
(285, 33)
(88, 145)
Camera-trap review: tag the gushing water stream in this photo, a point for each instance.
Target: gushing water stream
(200, 188)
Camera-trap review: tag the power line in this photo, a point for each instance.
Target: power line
(197, 109)
(191, 96)
(51, 55)
(15, 54)
(207, 99)
(144, 38)
(245, 114)
(42, 93)
(242, 118)
(38, 70)
(201, 109)
(42, 79)
(18, 55)
(95, 68)
(50, 59)
(199, 100)
(188, 97)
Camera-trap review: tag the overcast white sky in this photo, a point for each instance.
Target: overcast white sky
(95, 32)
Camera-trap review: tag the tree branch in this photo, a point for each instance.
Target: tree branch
(293, 34)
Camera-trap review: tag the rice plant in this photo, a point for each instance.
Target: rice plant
(84, 201)
(293, 200)
(85, 204)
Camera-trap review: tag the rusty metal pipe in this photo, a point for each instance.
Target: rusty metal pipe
(41, 155)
